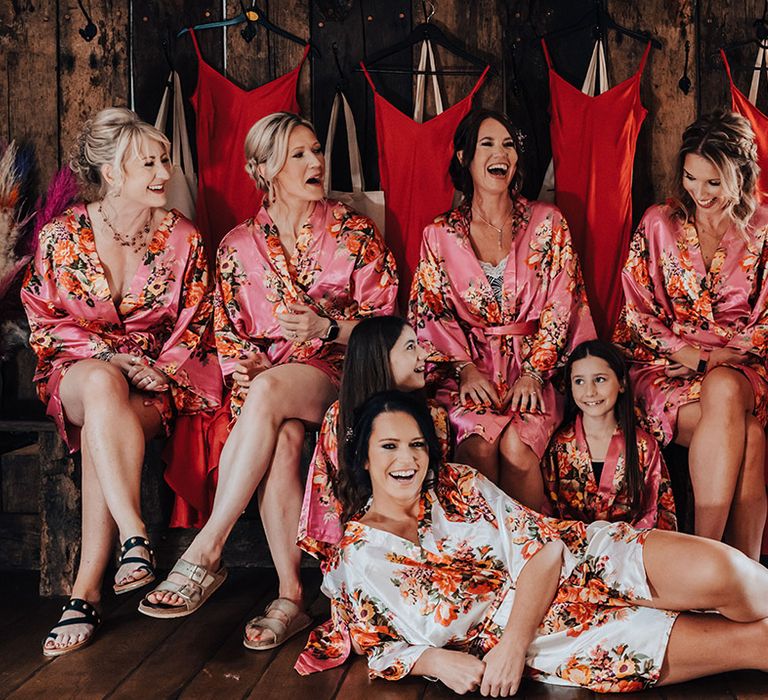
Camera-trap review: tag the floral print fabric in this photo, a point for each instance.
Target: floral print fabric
(672, 300)
(455, 311)
(455, 587)
(165, 315)
(340, 268)
(575, 494)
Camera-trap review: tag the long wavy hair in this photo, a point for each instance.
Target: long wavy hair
(624, 410)
(354, 493)
(727, 141)
(367, 371)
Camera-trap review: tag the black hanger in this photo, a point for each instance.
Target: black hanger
(601, 21)
(88, 32)
(422, 32)
(760, 26)
(253, 17)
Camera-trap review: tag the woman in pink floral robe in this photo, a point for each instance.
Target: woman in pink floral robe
(441, 574)
(292, 283)
(120, 308)
(695, 325)
(499, 311)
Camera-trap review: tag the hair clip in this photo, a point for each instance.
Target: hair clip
(349, 435)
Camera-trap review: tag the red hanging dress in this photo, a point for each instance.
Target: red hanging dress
(413, 168)
(593, 148)
(226, 196)
(741, 105)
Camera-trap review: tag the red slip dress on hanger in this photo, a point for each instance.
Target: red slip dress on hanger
(593, 149)
(226, 196)
(413, 168)
(741, 105)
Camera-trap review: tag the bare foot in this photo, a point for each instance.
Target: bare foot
(133, 571)
(72, 634)
(173, 599)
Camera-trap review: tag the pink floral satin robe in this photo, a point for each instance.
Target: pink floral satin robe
(673, 301)
(455, 587)
(454, 311)
(320, 526)
(575, 494)
(340, 268)
(165, 315)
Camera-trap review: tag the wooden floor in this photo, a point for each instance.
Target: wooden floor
(202, 656)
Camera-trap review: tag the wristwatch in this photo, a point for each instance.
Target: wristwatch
(332, 333)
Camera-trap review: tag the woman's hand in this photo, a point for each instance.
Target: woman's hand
(250, 365)
(504, 666)
(675, 369)
(475, 388)
(147, 378)
(526, 395)
(302, 324)
(461, 672)
(720, 356)
(140, 374)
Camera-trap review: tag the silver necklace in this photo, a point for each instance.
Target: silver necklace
(499, 229)
(136, 241)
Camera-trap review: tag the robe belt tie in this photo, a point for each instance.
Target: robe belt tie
(520, 328)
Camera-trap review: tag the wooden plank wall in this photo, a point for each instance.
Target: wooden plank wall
(51, 79)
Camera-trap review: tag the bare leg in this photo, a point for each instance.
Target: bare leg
(745, 526)
(280, 496)
(694, 573)
(81, 388)
(519, 470)
(716, 431)
(480, 454)
(701, 645)
(278, 394)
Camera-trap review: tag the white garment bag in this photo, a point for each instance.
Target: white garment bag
(596, 63)
(181, 188)
(368, 202)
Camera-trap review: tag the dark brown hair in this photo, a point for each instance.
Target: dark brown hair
(465, 140)
(354, 493)
(624, 410)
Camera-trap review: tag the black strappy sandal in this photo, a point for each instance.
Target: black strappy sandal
(147, 565)
(89, 617)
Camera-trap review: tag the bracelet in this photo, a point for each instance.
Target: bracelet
(533, 375)
(459, 367)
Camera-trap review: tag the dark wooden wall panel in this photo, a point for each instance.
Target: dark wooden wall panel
(95, 74)
(28, 79)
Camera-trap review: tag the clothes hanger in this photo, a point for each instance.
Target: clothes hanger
(760, 26)
(89, 31)
(253, 18)
(601, 22)
(426, 31)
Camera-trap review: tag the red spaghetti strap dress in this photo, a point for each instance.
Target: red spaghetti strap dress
(593, 148)
(413, 167)
(741, 105)
(226, 196)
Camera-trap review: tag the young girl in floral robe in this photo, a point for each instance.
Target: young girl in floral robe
(165, 316)
(588, 477)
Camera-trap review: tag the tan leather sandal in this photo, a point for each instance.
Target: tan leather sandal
(295, 621)
(198, 587)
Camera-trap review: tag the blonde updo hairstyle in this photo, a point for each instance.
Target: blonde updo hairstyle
(726, 140)
(105, 140)
(266, 145)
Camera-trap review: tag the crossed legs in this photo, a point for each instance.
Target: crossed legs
(115, 425)
(726, 452)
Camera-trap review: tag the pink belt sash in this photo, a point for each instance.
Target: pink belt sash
(520, 328)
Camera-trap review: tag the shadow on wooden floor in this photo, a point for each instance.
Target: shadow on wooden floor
(202, 656)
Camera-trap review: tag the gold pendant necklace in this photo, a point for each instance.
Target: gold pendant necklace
(499, 229)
